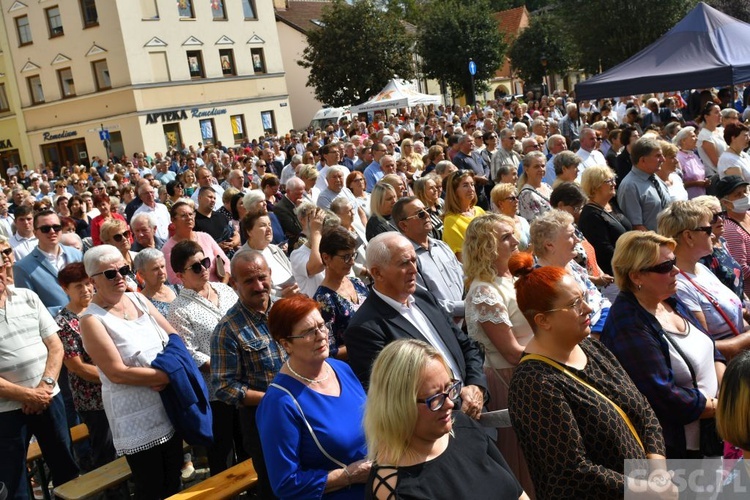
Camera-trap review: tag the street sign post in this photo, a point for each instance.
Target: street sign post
(472, 71)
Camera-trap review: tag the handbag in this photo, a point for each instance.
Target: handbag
(714, 303)
(711, 445)
(596, 391)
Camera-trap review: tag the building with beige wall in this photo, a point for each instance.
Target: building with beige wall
(152, 73)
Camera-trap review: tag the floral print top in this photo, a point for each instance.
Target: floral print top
(87, 396)
(724, 267)
(337, 311)
(533, 202)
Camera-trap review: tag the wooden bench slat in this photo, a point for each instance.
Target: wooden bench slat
(229, 483)
(96, 481)
(77, 433)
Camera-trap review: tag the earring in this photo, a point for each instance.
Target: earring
(639, 287)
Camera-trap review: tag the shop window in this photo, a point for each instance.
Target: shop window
(259, 61)
(24, 30)
(149, 10)
(226, 56)
(35, 89)
(67, 86)
(208, 133)
(101, 75)
(185, 9)
(195, 63)
(54, 22)
(172, 135)
(4, 105)
(238, 127)
(269, 121)
(248, 8)
(219, 10)
(89, 14)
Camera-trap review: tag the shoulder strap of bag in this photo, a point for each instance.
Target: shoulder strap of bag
(713, 302)
(685, 358)
(535, 192)
(309, 427)
(578, 379)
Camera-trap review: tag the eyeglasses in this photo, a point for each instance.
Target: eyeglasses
(599, 139)
(47, 228)
(111, 274)
(7, 252)
(718, 216)
(121, 236)
(436, 401)
(706, 229)
(422, 214)
(347, 257)
(311, 332)
(663, 268)
(511, 198)
(198, 267)
(576, 305)
(611, 181)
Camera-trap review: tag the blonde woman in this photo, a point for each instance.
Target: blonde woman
(460, 208)
(427, 188)
(494, 319)
(116, 233)
(426, 450)
(382, 199)
(668, 172)
(533, 197)
(309, 174)
(505, 201)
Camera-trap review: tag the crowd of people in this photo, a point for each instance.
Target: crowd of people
(349, 302)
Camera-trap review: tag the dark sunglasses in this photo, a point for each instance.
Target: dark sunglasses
(663, 268)
(199, 266)
(719, 216)
(511, 198)
(54, 227)
(122, 236)
(111, 274)
(7, 251)
(705, 229)
(422, 214)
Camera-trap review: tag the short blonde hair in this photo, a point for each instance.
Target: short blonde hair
(378, 196)
(668, 149)
(110, 228)
(501, 191)
(391, 410)
(708, 201)
(593, 177)
(734, 402)
(635, 251)
(681, 216)
(308, 172)
(479, 251)
(395, 181)
(546, 227)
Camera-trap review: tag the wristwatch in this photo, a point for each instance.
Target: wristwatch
(49, 381)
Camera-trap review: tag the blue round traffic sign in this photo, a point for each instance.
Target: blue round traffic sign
(472, 68)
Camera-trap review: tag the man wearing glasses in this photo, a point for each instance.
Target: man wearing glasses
(38, 270)
(438, 270)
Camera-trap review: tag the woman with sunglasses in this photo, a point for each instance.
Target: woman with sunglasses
(340, 294)
(115, 232)
(9, 259)
(310, 419)
(660, 343)
(195, 313)
(103, 204)
(420, 446)
(718, 310)
(175, 191)
(123, 333)
(575, 411)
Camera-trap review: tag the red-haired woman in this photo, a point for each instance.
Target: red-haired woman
(575, 411)
(104, 205)
(310, 419)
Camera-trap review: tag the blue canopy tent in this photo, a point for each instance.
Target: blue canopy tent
(705, 49)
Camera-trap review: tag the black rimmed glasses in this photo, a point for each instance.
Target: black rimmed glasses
(576, 306)
(111, 274)
(347, 257)
(53, 227)
(511, 198)
(663, 268)
(198, 267)
(311, 332)
(120, 237)
(705, 229)
(436, 401)
(718, 216)
(421, 214)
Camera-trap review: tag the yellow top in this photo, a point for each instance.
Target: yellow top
(454, 229)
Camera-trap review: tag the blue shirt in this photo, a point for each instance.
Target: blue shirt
(373, 173)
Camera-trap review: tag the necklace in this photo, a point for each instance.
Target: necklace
(308, 380)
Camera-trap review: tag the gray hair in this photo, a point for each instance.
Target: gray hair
(565, 159)
(552, 139)
(294, 183)
(100, 255)
(546, 227)
(530, 156)
(146, 257)
(296, 159)
(520, 126)
(71, 240)
(442, 166)
(334, 169)
(143, 215)
(304, 209)
(682, 135)
(253, 197)
(339, 204)
(644, 147)
(378, 253)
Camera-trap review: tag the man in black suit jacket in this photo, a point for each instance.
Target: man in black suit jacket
(395, 310)
(284, 210)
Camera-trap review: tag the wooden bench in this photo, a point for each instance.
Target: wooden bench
(98, 480)
(34, 453)
(227, 484)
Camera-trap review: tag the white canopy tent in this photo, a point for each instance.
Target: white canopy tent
(396, 94)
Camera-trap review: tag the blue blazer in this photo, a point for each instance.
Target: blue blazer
(37, 274)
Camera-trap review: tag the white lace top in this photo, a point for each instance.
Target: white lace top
(495, 302)
(136, 415)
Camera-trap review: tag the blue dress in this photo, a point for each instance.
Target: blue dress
(296, 467)
(163, 307)
(337, 311)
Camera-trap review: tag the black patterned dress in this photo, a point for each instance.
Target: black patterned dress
(575, 443)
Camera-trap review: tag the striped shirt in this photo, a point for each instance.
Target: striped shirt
(738, 244)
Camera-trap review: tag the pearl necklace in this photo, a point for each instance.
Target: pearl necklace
(308, 380)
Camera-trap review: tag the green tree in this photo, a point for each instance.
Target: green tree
(450, 33)
(538, 45)
(355, 52)
(734, 8)
(607, 32)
